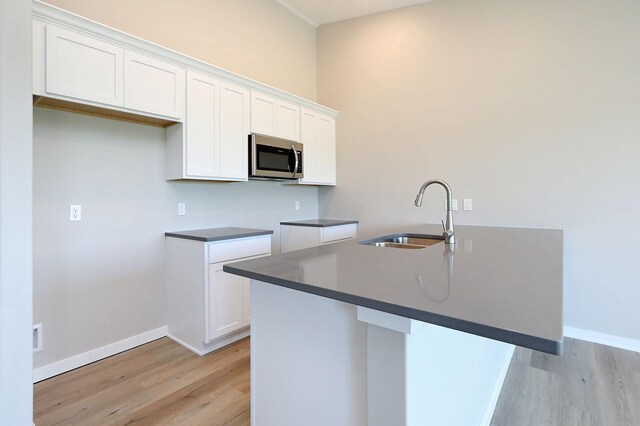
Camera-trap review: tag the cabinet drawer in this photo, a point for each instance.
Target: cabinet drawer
(237, 249)
(337, 233)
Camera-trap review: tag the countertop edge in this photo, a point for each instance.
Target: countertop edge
(508, 336)
(319, 225)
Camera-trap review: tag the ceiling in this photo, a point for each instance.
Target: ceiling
(318, 12)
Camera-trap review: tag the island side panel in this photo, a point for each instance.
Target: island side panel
(453, 378)
(421, 374)
(308, 359)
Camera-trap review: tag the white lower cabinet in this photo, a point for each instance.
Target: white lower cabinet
(227, 296)
(298, 237)
(208, 308)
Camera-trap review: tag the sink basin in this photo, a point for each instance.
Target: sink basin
(404, 241)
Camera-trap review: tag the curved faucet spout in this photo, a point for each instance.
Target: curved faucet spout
(448, 232)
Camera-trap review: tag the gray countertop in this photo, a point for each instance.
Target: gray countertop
(500, 283)
(218, 234)
(320, 223)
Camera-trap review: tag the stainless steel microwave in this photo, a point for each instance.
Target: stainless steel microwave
(274, 158)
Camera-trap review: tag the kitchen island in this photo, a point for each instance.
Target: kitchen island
(352, 334)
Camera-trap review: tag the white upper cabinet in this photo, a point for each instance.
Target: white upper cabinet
(263, 113)
(82, 67)
(274, 117)
(202, 126)
(326, 149)
(288, 121)
(76, 68)
(234, 131)
(318, 136)
(207, 112)
(153, 86)
(212, 144)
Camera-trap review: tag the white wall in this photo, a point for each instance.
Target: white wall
(102, 279)
(259, 39)
(532, 109)
(16, 407)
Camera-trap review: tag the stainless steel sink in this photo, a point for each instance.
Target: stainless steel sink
(405, 241)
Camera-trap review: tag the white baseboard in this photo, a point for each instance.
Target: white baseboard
(603, 339)
(184, 344)
(216, 344)
(497, 387)
(93, 355)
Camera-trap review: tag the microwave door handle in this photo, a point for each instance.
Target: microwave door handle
(295, 154)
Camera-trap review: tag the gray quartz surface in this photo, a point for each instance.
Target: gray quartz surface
(500, 283)
(320, 223)
(217, 234)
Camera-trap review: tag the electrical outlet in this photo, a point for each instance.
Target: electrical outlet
(467, 204)
(454, 204)
(75, 213)
(37, 337)
(182, 209)
(297, 205)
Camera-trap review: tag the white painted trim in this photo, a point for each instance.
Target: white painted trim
(217, 343)
(298, 13)
(186, 345)
(603, 339)
(385, 320)
(97, 354)
(497, 387)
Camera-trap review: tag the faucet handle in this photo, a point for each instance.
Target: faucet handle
(446, 232)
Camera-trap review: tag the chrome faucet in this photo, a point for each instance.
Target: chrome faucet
(448, 234)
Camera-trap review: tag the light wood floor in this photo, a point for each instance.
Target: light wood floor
(589, 385)
(163, 383)
(157, 383)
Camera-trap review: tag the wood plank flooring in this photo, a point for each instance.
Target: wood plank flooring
(161, 383)
(589, 385)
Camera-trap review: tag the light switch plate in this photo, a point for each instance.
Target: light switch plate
(454, 204)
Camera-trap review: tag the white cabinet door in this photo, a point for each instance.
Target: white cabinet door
(325, 165)
(82, 67)
(318, 135)
(308, 138)
(226, 302)
(234, 131)
(153, 86)
(263, 114)
(202, 126)
(274, 117)
(288, 121)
